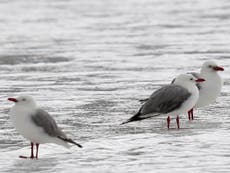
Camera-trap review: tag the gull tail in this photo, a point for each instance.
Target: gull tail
(70, 141)
(138, 117)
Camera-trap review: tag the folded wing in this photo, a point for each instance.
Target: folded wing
(162, 101)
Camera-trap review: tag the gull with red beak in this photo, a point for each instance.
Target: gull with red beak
(211, 88)
(171, 100)
(36, 125)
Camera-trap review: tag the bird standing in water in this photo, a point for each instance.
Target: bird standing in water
(36, 125)
(170, 100)
(211, 88)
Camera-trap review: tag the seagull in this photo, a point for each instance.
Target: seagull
(208, 90)
(172, 99)
(211, 88)
(36, 125)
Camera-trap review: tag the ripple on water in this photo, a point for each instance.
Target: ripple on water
(29, 59)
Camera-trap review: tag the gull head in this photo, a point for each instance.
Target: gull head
(23, 100)
(211, 67)
(187, 79)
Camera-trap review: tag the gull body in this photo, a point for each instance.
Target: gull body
(211, 88)
(170, 100)
(35, 124)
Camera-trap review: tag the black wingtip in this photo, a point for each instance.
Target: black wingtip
(134, 118)
(79, 145)
(125, 122)
(70, 141)
(137, 117)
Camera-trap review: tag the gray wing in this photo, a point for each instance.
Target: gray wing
(42, 119)
(165, 100)
(162, 101)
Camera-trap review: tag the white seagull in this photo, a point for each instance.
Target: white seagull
(172, 99)
(36, 125)
(211, 88)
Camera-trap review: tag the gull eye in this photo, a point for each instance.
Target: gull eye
(191, 78)
(23, 99)
(210, 66)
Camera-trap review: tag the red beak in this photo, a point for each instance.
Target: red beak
(13, 99)
(200, 80)
(218, 68)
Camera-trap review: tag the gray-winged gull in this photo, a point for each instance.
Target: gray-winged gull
(208, 90)
(171, 100)
(36, 125)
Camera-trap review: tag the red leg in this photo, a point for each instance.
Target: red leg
(192, 114)
(168, 121)
(189, 113)
(37, 146)
(178, 121)
(32, 152)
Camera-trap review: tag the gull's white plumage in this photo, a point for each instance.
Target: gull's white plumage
(36, 125)
(191, 101)
(211, 88)
(20, 115)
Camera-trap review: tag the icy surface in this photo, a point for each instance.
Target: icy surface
(89, 62)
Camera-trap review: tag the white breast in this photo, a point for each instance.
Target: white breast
(22, 121)
(189, 103)
(210, 89)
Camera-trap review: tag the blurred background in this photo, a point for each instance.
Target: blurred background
(89, 62)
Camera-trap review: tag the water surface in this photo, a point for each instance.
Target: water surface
(89, 62)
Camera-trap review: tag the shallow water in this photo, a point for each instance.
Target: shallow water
(89, 62)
